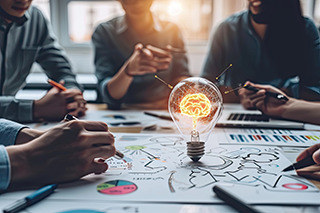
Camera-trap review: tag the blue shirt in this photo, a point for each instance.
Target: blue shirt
(235, 42)
(26, 43)
(8, 133)
(114, 43)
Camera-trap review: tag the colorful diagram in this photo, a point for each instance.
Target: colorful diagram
(117, 187)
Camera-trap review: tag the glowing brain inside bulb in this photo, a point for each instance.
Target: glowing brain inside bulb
(195, 105)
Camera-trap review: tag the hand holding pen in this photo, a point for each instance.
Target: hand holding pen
(268, 99)
(68, 117)
(58, 101)
(308, 163)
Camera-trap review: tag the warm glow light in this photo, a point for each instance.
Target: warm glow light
(195, 106)
(175, 8)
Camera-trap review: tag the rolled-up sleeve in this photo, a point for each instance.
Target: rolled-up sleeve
(4, 169)
(8, 133)
(16, 110)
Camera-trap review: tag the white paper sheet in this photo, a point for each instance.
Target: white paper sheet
(156, 169)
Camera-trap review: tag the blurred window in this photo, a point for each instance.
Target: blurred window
(43, 5)
(194, 17)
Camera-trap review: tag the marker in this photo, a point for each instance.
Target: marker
(271, 94)
(308, 161)
(233, 201)
(56, 85)
(68, 117)
(31, 199)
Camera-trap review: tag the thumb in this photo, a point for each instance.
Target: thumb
(62, 82)
(138, 47)
(316, 156)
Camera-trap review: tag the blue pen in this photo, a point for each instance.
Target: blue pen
(31, 199)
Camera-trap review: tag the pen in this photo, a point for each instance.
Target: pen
(159, 116)
(308, 161)
(31, 199)
(233, 201)
(68, 117)
(57, 85)
(272, 94)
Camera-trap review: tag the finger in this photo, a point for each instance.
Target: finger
(309, 175)
(72, 92)
(308, 152)
(150, 63)
(62, 82)
(162, 60)
(138, 47)
(316, 156)
(158, 52)
(244, 92)
(97, 168)
(98, 138)
(93, 125)
(255, 101)
(78, 112)
(105, 151)
(261, 104)
(147, 53)
(257, 94)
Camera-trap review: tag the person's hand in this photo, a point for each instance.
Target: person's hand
(63, 153)
(246, 97)
(56, 104)
(312, 172)
(268, 105)
(147, 60)
(26, 134)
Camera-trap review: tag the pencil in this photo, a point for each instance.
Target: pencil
(56, 85)
(68, 117)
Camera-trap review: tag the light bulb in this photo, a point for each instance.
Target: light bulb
(195, 105)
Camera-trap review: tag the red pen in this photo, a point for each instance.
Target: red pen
(56, 85)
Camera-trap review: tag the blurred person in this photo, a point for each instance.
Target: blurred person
(270, 43)
(26, 37)
(130, 50)
(63, 153)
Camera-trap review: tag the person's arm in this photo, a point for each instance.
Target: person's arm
(113, 83)
(53, 59)
(292, 109)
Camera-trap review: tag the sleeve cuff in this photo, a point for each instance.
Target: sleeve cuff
(9, 131)
(25, 111)
(106, 97)
(4, 169)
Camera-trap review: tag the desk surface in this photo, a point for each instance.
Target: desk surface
(144, 207)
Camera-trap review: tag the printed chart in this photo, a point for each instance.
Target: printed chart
(268, 137)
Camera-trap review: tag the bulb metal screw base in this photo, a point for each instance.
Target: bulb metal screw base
(195, 150)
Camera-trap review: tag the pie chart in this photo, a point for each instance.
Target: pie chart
(117, 187)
